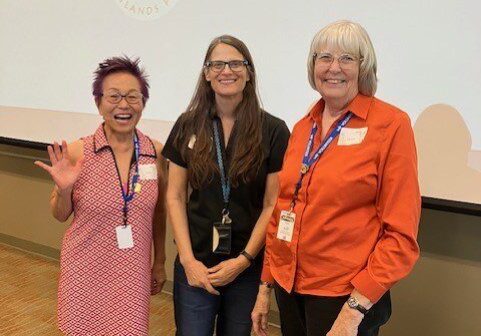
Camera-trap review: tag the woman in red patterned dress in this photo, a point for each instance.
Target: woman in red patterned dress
(113, 182)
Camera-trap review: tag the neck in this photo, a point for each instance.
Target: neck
(119, 141)
(226, 106)
(334, 111)
(335, 107)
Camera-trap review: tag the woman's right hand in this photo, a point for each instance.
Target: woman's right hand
(64, 173)
(197, 273)
(260, 313)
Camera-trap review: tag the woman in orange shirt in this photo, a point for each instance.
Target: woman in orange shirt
(344, 228)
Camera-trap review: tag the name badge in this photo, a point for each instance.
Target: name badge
(125, 239)
(148, 171)
(286, 225)
(351, 136)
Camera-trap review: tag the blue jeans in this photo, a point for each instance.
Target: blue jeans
(196, 309)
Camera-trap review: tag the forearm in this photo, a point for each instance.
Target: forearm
(159, 229)
(178, 219)
(258, 236)
(61, 204)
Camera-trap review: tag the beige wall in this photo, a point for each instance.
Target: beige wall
(24, 209)
(439, 298)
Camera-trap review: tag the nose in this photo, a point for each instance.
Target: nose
(226, 69)
(123, 103)
(335, 66)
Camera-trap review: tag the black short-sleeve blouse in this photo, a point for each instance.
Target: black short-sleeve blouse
(246, 201)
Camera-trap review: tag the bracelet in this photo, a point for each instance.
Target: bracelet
(248, 256)
(267, 284)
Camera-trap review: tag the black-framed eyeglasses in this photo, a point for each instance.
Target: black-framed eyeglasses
(345, 61)
(234, 65)
(131, 97)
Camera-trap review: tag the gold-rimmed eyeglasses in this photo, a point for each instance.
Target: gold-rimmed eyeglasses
(115, 97)
(345, 61)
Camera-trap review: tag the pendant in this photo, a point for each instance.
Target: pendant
(138, 187)
(304, 169)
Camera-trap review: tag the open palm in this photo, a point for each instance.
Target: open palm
(64, 173)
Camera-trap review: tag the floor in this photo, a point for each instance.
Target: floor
(28, 285)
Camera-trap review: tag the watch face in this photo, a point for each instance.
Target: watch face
(352, 302)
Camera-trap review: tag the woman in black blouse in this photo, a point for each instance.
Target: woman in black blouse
(229, 151)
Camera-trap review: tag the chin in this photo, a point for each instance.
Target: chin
(229, 94)
(334, 95)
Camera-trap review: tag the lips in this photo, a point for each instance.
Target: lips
(227, 81)
(123, 116)
(334, 81)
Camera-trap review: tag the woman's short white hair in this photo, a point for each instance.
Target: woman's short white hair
(352, 38)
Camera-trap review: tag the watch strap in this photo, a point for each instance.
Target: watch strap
(267, 284)
(248, 257)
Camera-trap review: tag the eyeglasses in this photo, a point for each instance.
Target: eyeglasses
(345, 61)
(218, 66)
(115, 97)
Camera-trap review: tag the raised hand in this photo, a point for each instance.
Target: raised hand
(63, 171)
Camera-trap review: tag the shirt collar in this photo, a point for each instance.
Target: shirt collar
(359, 106)
(146, 146)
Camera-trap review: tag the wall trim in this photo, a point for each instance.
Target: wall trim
(29, 246)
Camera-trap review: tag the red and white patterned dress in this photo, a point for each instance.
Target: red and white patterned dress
(104, 290)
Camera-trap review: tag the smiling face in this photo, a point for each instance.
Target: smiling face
(121, 117)
(337, 83)
(227, 83)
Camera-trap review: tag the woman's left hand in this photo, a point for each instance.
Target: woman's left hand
(158, 278)
(226, 271)
(347, 322)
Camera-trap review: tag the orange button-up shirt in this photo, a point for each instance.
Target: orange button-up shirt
(357, 211)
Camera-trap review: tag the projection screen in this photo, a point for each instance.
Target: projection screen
(428, 65)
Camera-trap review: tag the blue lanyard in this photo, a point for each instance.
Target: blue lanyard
(223, 178)
(307, 161)
(128, 197)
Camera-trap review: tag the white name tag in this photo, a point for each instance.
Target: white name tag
(125, 240)
(286, 225)
(148, 171)
(351, 136)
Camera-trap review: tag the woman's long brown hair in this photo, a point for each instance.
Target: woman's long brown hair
(247, 152)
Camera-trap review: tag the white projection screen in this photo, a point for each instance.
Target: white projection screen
(428, 64)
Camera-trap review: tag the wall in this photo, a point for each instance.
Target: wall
(439, 298)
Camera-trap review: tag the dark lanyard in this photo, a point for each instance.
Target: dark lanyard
(225, 183)
(131, 189)
(307, 161)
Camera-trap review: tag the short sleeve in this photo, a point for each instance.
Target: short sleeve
(170, 151)
(279, 139)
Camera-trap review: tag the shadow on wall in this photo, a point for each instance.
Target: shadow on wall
(444, 143)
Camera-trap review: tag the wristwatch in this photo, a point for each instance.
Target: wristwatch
(267, 284)
(248, 256)
(354, 304)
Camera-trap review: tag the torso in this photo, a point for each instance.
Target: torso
(123, 160)
(246, 201)
(93, 267)
(227, 126)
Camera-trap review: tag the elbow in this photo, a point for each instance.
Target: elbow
(60, 218)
